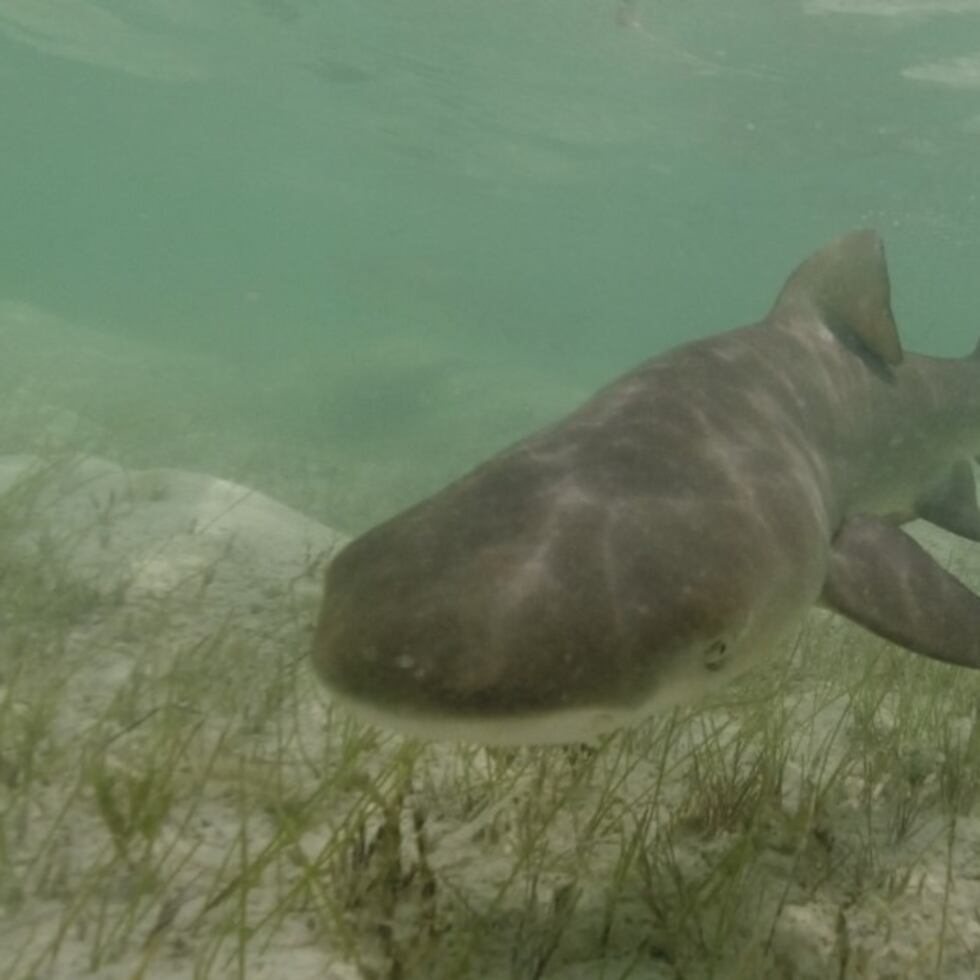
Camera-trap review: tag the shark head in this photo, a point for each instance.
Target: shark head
(540, 600)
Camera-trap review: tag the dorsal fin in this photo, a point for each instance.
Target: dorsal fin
(846, 285)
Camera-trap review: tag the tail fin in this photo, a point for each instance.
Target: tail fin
(976, 351)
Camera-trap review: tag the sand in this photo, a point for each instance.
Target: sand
(178, 798)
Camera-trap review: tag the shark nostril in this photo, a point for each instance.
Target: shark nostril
(715, 656)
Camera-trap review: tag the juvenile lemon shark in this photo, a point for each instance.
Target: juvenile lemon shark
(674, 529)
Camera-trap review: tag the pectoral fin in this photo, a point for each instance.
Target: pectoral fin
(953, 504)
(886, 582)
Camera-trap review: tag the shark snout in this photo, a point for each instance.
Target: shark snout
(432, 657)
(567, 606)
(404, 659)
(497, 638)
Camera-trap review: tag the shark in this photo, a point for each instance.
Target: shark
(674, 530)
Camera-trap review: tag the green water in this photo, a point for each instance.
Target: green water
(367, 243)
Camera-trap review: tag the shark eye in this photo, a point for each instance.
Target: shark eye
(715, 655)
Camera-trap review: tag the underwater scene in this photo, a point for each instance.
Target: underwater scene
(487, 489)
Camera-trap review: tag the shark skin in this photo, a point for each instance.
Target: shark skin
(674, 529)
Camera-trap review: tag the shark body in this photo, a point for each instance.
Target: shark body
(674, 529)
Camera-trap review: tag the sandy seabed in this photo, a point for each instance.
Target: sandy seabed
(179, 799)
